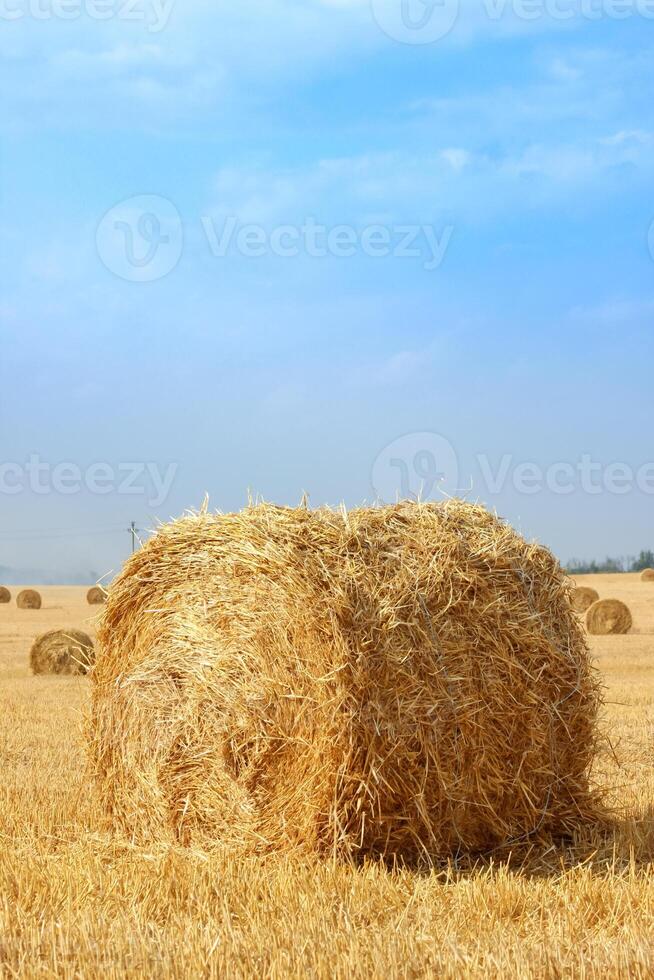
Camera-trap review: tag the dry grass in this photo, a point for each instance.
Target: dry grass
(76, 904)
(394, 681)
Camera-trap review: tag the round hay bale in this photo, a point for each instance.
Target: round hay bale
(28, 599)
(583, 597)
(96, 596)
(648, 575)
(5, 594)
(403, 680)
(608, 616)
(62, 652)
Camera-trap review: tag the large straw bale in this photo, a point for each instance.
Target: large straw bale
(28, 599)
(583, 597)
(648, 575)
(68, 651)
(608, 616)
(399, 681)
(5, 594)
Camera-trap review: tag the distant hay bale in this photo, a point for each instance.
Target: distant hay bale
(583, 597)
(404, 680)
(96, 596)
(608, 616)
(62, 652)
(5, 594)
(28, 599)
(648, 575)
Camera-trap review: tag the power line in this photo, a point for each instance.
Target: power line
(52, 534)
(62, 533)
(35, 534)
(48, 530)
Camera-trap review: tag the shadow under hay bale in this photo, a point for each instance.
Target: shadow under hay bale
(583, 597)
(647, 575)
(608, 616)
(28, 599)
(5, 595)
(68, 652)
(407, 680)
(96, 596)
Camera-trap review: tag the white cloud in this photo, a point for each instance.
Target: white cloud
(614, 313)
(561, 164)
(638, 136)
(260, 196)
(259, 43)
(563, 71)
(456, 157)
(399, 368)
(120, 58)
(442, 187)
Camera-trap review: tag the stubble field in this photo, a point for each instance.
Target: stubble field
(76, 902)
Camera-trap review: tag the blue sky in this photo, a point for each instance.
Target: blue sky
(523, 147)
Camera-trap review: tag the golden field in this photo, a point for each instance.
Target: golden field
(74, 902)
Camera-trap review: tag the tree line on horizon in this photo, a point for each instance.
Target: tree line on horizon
(627, 564)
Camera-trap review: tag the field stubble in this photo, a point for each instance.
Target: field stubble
(77, 903)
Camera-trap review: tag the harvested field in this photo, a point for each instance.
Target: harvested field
(76, 902)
